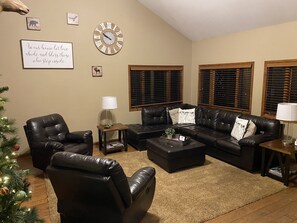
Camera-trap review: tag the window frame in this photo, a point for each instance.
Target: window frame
(270, 64)
(212, 68)
(167, 68)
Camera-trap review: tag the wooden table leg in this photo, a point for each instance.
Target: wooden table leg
(263, 172)
(100, 139)
(285, 167)
(125, 140)
(105, 143)
(287, 170)
(120, 135)
(268, 165)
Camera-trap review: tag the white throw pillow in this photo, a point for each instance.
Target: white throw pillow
(251, 129)
(174, 113)
(186, 116)
(239, 128)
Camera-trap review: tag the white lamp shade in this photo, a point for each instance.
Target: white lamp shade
(109, 102)
(287, 112)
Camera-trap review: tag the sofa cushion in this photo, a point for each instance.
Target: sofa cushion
(189, 130)
(207, 117)
(239, 128)
(137, 131)
(203, 134)
(229, 145)
(225, 121)
(79, 148)
(154, 116)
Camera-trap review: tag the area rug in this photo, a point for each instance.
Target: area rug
(193, 195)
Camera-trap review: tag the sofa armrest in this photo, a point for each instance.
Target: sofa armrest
(53, 146)
(255, 139)
(140, 180)
(79, 136)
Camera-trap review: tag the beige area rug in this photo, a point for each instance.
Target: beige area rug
(193, 195)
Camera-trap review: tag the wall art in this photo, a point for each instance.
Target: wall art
(97, 71)
(72, 18)
(33, 23)
(46, 54)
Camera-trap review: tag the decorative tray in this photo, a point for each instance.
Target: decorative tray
(178, 139)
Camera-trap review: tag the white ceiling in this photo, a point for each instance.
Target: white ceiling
(201, 19)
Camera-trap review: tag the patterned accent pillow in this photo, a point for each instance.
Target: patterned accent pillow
(239, 128)
(186, 116)
(251, 129)
(174, 113)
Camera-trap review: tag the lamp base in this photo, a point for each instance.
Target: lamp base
(287, 141)
(107, 126)
(107, 122)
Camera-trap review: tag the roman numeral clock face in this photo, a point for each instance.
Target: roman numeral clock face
(108, 38)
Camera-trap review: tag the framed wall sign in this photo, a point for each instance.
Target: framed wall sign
(72, 18)
(46, 54)
(33, 23)
(97, 71)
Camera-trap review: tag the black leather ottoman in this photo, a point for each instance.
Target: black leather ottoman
(172, 156)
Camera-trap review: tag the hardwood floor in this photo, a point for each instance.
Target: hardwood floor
(280, 207)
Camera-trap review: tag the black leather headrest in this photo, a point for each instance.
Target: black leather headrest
(153, 116)
(50, 127)
(82, 162)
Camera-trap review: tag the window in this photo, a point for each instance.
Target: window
(280, 85)
(226, 86)
(155, 85)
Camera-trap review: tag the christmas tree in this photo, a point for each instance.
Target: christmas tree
(14, 188)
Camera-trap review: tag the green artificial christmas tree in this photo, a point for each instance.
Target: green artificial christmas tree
(14, 188)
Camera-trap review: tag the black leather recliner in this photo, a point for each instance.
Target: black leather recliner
(49, 134)
(92, 189)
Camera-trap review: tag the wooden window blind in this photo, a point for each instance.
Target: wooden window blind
(280, 85)
(154, 85)
(226, 86)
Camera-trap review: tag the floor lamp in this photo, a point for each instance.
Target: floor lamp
(108, 103)
(287, 112)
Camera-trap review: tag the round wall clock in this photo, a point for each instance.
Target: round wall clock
(108, 38)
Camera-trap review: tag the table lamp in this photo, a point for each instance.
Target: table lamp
(287, 112)
(108, 103)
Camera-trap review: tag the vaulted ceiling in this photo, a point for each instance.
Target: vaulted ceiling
(202, 19)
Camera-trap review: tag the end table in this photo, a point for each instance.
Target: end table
(283, 154)
(112, 146)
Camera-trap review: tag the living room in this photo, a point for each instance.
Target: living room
(44, 91)
(148, 40)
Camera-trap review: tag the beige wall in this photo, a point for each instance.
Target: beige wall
(75, 93)
(269, 43)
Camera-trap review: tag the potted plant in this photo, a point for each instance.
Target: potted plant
(169, 132)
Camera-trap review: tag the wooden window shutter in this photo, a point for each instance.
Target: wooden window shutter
(154, 85)
(226, 86)
(280, 85)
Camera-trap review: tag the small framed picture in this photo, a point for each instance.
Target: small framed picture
(72, 18)
(97, 71)
(33, 23)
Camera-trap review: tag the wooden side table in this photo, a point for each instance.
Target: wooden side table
(283, 154)
(112, 146)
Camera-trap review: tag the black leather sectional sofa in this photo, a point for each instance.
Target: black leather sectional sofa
(213, 127)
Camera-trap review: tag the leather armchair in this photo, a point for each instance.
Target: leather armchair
(49, 134)
(92, 189)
